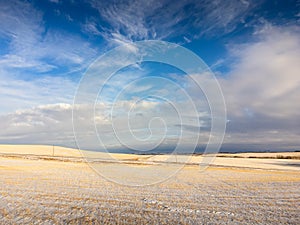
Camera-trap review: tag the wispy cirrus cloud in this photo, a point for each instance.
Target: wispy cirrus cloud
(140, 20)
(90, 27)
(32, 46)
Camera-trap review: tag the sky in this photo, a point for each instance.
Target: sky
(251, 47)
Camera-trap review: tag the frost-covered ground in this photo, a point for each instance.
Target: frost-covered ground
(55, 192)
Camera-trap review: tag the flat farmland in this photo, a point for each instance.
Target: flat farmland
(36, 190)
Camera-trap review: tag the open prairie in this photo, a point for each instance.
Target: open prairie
(39, 187)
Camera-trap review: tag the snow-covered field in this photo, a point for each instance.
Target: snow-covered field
(37, 190)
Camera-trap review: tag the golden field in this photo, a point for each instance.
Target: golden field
(39, 187)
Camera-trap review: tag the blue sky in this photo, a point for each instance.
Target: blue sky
(252, 47)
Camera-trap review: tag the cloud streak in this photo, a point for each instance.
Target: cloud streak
(32, 46)
(141, 20)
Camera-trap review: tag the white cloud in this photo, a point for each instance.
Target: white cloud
(17, 93)
(262, 91)
(266, 77)
(48, 124)
(52, 124)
